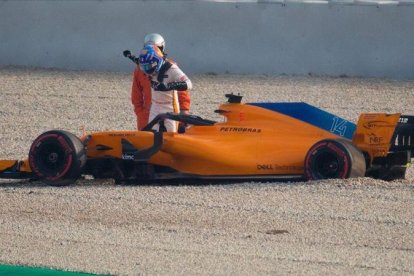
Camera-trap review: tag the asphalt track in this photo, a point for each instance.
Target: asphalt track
(355, 226)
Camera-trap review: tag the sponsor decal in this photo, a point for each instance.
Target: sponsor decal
(127, 156)
(374, 124)
(375, 140)
(378, 152)
(240, 129)
(272, 167)
(403, 120)
(122, 134)
(264, 167)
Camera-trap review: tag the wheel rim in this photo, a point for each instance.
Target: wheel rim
(51, 158)
(327, 165)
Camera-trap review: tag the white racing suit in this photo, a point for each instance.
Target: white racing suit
(167, 101)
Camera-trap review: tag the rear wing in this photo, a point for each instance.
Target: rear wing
(378, 134)
(403, 138)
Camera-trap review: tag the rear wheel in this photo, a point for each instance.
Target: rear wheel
(334, 159)
(57, 157)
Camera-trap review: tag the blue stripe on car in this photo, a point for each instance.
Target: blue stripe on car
(314, 116)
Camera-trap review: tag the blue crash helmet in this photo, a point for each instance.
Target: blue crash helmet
(151, 59)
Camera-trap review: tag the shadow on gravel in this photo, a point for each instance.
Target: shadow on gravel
(20, 183)
(209, 182)
(151, 183)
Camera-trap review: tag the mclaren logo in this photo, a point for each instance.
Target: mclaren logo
(240, 129)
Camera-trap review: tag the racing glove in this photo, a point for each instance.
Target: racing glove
(159, 86)
(183, 126)
(127, 54)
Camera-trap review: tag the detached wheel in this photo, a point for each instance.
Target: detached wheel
(334, 159)
(57, 157)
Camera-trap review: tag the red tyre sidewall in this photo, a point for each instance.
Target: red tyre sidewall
(333, 147)
(66, 146)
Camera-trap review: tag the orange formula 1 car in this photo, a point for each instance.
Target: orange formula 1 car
(255, 141)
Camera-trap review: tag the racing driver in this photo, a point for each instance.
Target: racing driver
(141, 87)
(167, 80)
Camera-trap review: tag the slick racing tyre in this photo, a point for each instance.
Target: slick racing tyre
(334, 159)
(57, 158)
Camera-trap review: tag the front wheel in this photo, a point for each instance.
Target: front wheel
(334, 159)
(57, 158)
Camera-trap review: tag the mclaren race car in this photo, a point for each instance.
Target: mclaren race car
(254, 141)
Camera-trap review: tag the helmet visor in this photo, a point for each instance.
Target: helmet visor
(148, 68)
